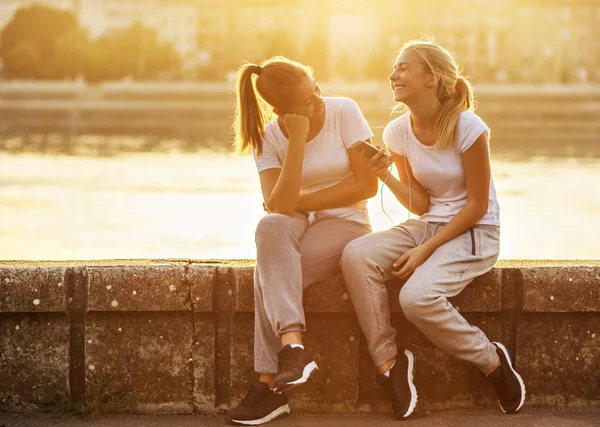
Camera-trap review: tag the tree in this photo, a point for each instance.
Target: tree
(45, 43)
(41, 27)
(134, 52)
(71, 50)
(24, 60)
(96, 65)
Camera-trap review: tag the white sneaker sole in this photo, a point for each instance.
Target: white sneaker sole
(501, 346)
(306, 373)
(410, 377)
(279, 412)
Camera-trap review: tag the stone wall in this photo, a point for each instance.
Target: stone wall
(176, 336)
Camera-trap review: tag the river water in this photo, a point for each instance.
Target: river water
(206, 205)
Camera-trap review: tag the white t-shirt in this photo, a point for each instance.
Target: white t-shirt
(441, 173)
(326, 162)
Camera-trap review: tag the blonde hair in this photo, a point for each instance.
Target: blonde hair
(256, 98)
(453, 89)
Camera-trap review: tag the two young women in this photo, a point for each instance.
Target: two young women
(315, 188)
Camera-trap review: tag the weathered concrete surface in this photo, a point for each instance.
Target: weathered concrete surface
(203, 355)
(145, 355)
(561, 289)
(201, 280)
(138, 288)
(558, 335)
(480, 417)
(329, 296)
(186, 336)
(35, 290)
(241, 362)
(34, 336)
(243, 289)
(34, 359)
(559, 358)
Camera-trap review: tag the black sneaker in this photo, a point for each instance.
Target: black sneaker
(507, 383)
(294, 368)
(260, 406)
(399, 385)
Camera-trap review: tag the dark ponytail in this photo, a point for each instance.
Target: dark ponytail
(249, 123)
(256, 98)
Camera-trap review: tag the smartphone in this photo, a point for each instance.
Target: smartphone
(370, 150)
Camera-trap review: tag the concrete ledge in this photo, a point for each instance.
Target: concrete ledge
(32, 290)
(566, 289)
(177, 336)
(138, 288)
(34, 358)
(201, 280)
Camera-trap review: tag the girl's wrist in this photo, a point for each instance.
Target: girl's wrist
(385, 177)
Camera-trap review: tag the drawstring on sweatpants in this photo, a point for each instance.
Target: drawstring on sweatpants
(437, 224)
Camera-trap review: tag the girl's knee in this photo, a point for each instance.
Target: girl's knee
(354, 253)
(272, 225)
(411, 302)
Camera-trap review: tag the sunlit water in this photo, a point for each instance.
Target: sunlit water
(206, 205)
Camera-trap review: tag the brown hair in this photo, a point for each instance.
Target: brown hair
(256, 97)
(453, 89)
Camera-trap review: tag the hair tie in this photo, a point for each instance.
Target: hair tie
(258, 69)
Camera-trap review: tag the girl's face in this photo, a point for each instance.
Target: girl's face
(409, 78)
(305, 99)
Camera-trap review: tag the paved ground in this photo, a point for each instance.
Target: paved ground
(529, 417)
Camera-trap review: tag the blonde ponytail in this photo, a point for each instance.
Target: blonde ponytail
(446, 124)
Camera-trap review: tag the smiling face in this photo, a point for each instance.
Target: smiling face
(410, 78)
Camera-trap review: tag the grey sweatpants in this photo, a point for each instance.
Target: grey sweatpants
(367, 263)
(291, 255)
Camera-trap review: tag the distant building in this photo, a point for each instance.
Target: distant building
(497, 41)
(175, 21)
(234, 30)
(512, 40)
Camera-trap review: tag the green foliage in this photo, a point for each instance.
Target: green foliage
(30, 37)
(23, 60)
(45, 43)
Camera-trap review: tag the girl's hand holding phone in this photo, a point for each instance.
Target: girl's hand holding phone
(380, 163)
